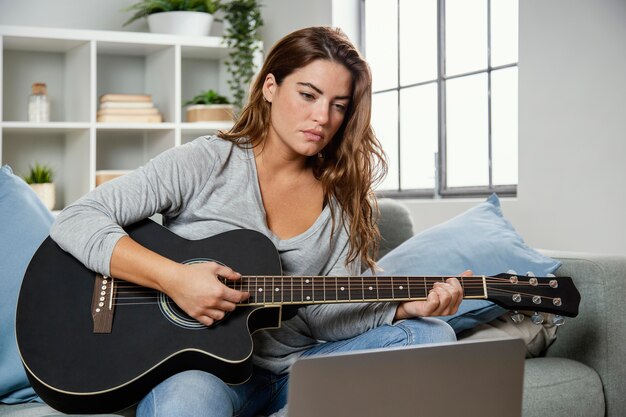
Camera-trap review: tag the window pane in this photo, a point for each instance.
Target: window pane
(504, 30)
(381, 42)
(466, 36)
(418, 41)
(418, 136)
(467, 143)
(385, 125)
(504, 126)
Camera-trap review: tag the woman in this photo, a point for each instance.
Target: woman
(298, 166)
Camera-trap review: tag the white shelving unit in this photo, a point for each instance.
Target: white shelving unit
(79, 66)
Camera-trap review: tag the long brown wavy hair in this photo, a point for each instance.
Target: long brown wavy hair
(353, 161)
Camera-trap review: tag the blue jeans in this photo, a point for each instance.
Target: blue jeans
(200, 394)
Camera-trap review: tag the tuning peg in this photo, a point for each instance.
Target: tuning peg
(530, 274)
(558, 320)
(512, 272)
(550, 275)
(537, 318)
(517, 317)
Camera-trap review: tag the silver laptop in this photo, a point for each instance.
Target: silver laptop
(469, 379)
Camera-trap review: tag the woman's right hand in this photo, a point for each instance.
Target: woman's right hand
(197, 290)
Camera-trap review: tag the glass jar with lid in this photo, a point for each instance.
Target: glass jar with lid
(39, 104)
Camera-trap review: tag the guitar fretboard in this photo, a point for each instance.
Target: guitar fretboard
(266, 290)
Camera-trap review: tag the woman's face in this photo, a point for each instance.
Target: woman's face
(308, 107)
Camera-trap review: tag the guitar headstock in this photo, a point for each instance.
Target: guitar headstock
(556, 295)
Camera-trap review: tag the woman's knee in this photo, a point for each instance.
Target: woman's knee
(426, 330)
(189, 393)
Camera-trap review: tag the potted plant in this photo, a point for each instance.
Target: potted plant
(179, 17)
(241, 33)
(40, 180)
(209, 106)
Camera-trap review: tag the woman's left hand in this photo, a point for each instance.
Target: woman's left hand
(443, 299)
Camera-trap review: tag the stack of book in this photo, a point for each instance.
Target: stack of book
(128, 108)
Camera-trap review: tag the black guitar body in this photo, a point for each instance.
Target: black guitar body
(76, 370)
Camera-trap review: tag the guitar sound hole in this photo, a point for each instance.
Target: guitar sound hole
(175, 314)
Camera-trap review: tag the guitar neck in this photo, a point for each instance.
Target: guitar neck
(279, 290)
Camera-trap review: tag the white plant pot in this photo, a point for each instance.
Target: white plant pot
(181, 23)
(46, 193)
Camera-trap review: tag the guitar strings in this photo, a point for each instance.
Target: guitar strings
(329, 287)
(381, 282)
(150, 296)
(356, 286)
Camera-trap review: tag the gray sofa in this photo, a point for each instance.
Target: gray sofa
(581, 371)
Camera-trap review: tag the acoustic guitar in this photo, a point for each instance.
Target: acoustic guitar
(95, 344)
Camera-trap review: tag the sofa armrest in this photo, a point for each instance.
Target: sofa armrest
(596, 337)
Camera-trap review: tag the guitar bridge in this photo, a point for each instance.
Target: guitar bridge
(102, 305)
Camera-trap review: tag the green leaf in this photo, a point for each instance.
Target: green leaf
(242, 39)
(148, 7)
(39, 174)
(208, 97)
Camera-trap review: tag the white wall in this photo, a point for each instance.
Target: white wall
(572, 104)
(573, 124)
(70, 14)
(280, 16)
(284, 16)
(347, 16)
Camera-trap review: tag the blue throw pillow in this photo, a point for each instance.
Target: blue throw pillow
(480, 239)
(24, 224)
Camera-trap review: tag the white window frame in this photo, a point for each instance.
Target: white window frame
(441, 189)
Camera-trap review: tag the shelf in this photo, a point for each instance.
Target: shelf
(17, 43)
(78, 67)
(65, 150)
(64, 127)
(201, 127)
(66, 73)
(135, 126)
(47, 127)
(191, 131)
(206, 46)
(129, 149)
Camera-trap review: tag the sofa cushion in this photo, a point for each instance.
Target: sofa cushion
(559, 387)
(536, 338)
(25, 224)
(480, 239)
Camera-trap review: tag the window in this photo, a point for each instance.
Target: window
(445, 94)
